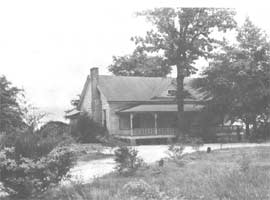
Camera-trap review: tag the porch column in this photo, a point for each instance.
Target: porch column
(131, 123)
(155, 115)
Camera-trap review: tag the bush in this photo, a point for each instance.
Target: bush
(53, 129)
(86, 130)
(28, 145)
(23, 177)
(127, 161)
(33, 145)
(29, 163)
(176, 153)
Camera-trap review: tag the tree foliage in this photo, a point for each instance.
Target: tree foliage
(11, 115)
(30, 162)
(181, 36)
(32, 116)
(53, 128)
(238, 80)
(139, 64)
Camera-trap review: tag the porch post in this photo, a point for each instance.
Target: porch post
(155, 115)
(131, 123)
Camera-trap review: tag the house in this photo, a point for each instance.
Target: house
(135, 108)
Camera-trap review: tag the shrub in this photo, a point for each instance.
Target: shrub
(23, 177)
(28, 145)
(176, 153)
(86, 130)
(127, 161)
(53, 129)
(29, 163)
(33, 145)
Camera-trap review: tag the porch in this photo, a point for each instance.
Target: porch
(150, 122)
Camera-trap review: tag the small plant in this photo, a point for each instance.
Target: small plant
(127, 161)
(176, 153)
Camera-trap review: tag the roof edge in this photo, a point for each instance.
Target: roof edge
(84, 91)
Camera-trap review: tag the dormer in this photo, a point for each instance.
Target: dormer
(170, 91)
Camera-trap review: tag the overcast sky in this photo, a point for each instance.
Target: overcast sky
(47, 47)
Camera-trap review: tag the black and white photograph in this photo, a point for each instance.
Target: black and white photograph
(134, 100)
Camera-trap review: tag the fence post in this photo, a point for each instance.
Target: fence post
(155, 115)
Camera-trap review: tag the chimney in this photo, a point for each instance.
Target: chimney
(94, 73)
(95, 101)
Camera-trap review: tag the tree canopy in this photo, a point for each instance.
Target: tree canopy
(180, 36)
(238, 79)
(11, 115)
(139, 64)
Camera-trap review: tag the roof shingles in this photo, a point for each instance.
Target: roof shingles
(129, 88)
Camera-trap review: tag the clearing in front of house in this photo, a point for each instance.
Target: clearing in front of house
(242, 173)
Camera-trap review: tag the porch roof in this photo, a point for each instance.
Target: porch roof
(162, 108)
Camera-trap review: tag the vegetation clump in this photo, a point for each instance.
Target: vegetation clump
(127, 161)
(30, 162)
(86, 130)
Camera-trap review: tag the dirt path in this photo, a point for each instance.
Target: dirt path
(85, 172)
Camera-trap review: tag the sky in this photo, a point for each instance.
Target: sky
(47, 47)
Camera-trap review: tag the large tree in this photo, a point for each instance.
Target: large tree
(11, 115)
(238, 79)
(139, 64)
(181, 36)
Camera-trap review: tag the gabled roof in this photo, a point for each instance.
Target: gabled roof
(129, 88)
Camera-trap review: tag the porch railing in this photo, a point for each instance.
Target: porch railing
(166, 131)
(147, 131)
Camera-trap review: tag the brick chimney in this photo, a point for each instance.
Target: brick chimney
(95, 95)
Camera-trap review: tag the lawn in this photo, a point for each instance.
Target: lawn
(233, 174)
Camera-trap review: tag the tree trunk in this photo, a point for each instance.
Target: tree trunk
(180, 101)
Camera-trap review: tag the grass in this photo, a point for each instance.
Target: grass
(228, 174)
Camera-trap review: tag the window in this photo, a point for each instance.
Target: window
(171, 92)
(124, 122)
